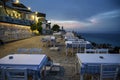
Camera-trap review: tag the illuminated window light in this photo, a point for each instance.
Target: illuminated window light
(0, 6)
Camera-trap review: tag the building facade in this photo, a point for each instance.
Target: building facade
(16, 19)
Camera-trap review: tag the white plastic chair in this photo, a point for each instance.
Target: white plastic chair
(101, 50)
(2, 75)
(35, 50)
(90, 51)
(23, 50)
(108, 71)
(16, 74)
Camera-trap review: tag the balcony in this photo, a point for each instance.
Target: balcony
(15, 21)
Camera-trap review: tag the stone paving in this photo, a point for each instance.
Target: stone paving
(67, 63)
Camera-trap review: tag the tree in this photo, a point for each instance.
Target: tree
(56, 27)
(33, 27)
(39, 26)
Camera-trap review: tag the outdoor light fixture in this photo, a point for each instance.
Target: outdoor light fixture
(29, 8)
(17, 1)
(49, 21)
(36, 12)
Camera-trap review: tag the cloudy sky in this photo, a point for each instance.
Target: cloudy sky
(80, 15)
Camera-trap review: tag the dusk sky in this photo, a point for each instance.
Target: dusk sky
(80, 15)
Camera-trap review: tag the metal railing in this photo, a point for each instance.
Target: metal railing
(15, 21)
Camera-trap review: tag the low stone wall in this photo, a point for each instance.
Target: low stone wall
(10, 32)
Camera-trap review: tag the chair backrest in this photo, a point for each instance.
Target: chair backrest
(101, 50)
(16, 74)
(81, 40)
(35, 50)
(75, 44)
(23, 50)
(108, 71)
(90, 51)
(2, 75)
(82, 47)
(93, 69)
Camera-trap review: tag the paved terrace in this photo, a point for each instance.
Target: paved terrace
(67, 62)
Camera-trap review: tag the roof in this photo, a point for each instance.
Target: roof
(20, 5)
(23, 59)
(41, 14)
(99, 58)
(26, 10)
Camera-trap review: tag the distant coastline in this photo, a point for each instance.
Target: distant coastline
(100, 38)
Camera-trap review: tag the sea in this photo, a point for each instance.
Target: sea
(100, 38)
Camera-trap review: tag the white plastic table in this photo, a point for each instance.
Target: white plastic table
(17, 63)
(28, 61)
(93, 63)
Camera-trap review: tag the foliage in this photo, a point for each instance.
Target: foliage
(102, 45)
(39, 27)
(33, 27)
(115, 50)
(56, 27)
(1, 42)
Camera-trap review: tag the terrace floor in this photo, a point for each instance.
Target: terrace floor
(67, 63)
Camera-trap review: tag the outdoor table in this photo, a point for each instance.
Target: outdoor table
(77, 42)
(93, 63)
(33, 62)
(78, 45)
(52, 37)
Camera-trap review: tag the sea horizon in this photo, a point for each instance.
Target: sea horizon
(101, 38)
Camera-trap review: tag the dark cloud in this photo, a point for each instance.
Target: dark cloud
(78, 10)
(116, 3)
(72, 9)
